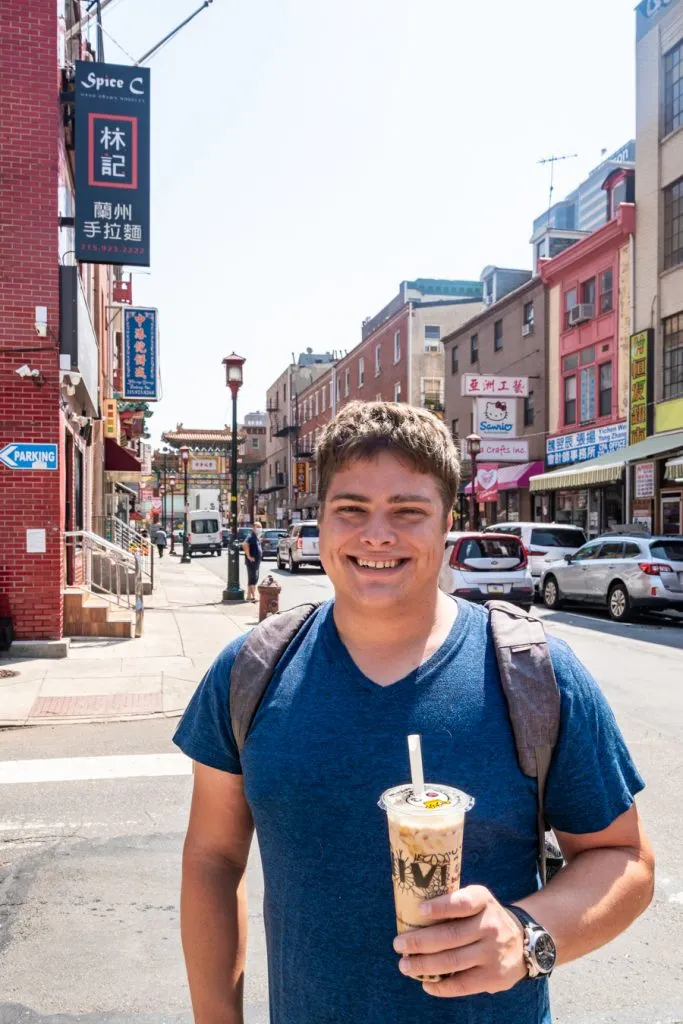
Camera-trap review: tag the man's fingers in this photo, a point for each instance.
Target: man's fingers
(436, 938)
(464, 903)
(464, 983)
(446, 962)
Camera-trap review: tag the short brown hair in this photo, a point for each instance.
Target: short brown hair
(361, 430)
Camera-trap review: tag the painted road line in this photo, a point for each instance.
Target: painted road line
(76, 769)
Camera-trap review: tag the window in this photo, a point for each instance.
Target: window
(378, 398)
(606, 295)
(378, 360)
(347, 382)
(673, 357)
(588, 552)
(338, 389)
(361, 372)
(556, 537)
(498, 336)
(673, 89)
(588, 292)
(631, 551)
(587, 355)
(529, 410)
(397, 392)
(455, 429)
(613, 549)
(432, 393)
(569, 303)
(284, 393)
(317, 403)
(587, 394)
(397, 346)
(570, 362)
(432, 337)
(255, 443)
(474, 348)
(673, 224)
(324, 396)
(454, 359)
(569, 400)
(528, 313)
(605, 402)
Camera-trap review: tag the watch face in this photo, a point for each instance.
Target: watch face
(545, 953)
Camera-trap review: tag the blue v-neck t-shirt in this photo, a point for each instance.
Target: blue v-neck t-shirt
(327, 741)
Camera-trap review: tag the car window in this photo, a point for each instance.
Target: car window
(555, 537)
(632, 550)
(204, 526)
(490, 547)
(612, 549)
(587, 553)
(669, 549)
(309, 531)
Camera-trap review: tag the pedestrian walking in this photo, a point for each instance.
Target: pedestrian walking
(393, 655)
(161, 540)
(253, 553)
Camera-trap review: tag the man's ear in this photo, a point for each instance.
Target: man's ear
(449, 522)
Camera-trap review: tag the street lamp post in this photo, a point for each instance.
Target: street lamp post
(162, 495)
(473, 449)
(185, 457)
(233, 378)
(171, 484)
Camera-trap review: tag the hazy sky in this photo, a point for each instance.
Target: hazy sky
(308, 155)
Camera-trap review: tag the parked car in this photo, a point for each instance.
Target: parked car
(487, 566)
(300, 546)
(624, 573)
(270, 540)
(545, 543)
(225, 537)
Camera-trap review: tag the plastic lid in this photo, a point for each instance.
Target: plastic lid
(434, 798)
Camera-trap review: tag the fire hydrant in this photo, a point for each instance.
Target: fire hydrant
(268, 597)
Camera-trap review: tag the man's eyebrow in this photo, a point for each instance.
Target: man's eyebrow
(395, 499)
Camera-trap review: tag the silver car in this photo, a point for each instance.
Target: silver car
(300, 546)
(625, 573)
(486, 566)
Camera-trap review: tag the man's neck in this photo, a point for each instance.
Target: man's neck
(401, 626)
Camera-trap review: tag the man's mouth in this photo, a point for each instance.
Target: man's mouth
(386, 563)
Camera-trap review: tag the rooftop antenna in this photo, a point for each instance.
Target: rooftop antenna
(552, 160)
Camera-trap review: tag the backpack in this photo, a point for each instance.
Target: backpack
(526, 674)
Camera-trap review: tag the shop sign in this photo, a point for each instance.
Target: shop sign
(505, 451)
(204, 465)
(645, 480)
(496, 417)
(486, 486)
(112, 163)
(111, 419)
(140, 354)
(279, 512)
(301, 477)
(475, 384)
(641, 515)
(640, 384)
(586, 444)
(648, 13)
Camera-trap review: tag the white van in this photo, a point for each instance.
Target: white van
(204, 533)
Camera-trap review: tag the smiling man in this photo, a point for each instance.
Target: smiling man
(393, 655)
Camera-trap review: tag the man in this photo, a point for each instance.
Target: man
(161, 540)
(393, 655)
(253, 553)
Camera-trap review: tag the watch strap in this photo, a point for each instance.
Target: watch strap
(526, 920)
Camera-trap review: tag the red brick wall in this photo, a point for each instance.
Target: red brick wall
(29, 133)
(390, 373)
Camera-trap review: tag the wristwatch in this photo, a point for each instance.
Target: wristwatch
(540, 952)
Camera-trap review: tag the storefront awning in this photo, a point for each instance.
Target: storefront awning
(608, 468)
(513, 478)
(118, 459)
(674, 469)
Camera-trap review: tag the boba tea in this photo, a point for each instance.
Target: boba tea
(426, 825)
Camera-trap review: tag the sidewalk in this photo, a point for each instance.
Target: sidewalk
(186, 626)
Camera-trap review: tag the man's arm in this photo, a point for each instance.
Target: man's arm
(607, 883)
(213, 902)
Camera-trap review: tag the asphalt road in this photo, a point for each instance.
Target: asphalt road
(89, 869)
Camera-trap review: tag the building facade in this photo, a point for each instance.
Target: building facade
(659, 253)
(508, 338)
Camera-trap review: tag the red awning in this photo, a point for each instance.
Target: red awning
(118, 459)
(516, 477)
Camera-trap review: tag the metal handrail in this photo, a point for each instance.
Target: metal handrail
(107, 571)
(118, 532)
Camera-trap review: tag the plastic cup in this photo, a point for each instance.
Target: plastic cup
(425, 837)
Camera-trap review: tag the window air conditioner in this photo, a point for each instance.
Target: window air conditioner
(579, 314)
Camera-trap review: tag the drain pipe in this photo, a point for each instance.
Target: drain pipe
(632, 327)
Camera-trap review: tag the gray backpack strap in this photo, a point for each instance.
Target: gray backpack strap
(256, 662)
(532, 694)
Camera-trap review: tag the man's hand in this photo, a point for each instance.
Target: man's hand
(480, 944)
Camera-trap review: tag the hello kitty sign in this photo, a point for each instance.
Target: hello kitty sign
(496, 417)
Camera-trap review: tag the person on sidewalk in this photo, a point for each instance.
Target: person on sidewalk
(253, 553)
(161, 540)
(389, 656)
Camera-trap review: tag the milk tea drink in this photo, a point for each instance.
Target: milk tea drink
(425, 836)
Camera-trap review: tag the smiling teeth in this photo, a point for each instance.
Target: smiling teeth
(378, 565)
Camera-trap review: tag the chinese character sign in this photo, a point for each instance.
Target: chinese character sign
(585, 445)
(301, 477)
(140, 354)
(476, 385)
(640, 385)
(112, 163)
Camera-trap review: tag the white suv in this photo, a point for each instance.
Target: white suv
(300, 546)
(545, 543)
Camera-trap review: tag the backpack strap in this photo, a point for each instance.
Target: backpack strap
(256, 662)
(532, 694)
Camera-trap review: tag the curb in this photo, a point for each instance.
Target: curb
(28, 723)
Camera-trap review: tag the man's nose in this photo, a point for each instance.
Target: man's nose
(378, 531)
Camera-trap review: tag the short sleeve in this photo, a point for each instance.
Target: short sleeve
(205, 732)
(592, 778)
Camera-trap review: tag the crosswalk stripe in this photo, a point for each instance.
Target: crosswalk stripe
(75, 769)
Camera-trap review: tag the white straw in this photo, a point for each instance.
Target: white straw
(416, 770)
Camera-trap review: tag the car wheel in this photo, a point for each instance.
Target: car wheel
(551, 593)
(618, 603)
(278, 561)
(292, 566)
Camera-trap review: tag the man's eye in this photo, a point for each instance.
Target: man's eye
(411, 512)
(350, 508)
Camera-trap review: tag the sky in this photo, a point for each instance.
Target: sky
(309, 155)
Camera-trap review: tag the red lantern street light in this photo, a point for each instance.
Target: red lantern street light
(185, 458)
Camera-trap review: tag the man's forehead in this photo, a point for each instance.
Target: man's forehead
(386, 477)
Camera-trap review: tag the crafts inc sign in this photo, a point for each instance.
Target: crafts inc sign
(140, 354)
(496, 417)
(112, 163)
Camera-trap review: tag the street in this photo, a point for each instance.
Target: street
(89, 867)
